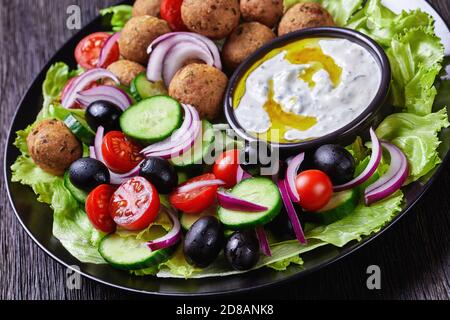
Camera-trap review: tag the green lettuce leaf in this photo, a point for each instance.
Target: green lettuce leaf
(284, 264)
(362, 222)
(417, 137)
(341, 10)
(118, 15)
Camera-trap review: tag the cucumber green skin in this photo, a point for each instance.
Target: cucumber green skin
(338, 213)
(154, 259)
(141, 88)
(79, 129)
(260, 218)
(128, 128)
(79, 195)
(207, 141)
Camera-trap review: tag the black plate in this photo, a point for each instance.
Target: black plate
(36, 218)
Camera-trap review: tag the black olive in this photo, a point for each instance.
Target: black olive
(242, 250)
(88, 173)
(336, 162)
(281, 227)
(255, 156)
(160, 173)
(105, 114)
(204, 241)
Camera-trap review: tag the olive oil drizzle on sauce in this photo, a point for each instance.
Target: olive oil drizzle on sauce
(305, 52)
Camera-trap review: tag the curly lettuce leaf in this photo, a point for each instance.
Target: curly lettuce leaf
(118, 15)
(284, 264)
(417, 137)
(341, 10)
(362, 222)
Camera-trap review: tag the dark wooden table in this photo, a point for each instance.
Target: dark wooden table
(414, 255)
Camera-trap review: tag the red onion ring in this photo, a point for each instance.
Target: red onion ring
(263, 242)
(170, 238)
(282, 186)
(392, 180)
(371, 166)
(106, 50)
(199, 184)
(115, 95)
(84, 80)
(291, 174)
(242, 175)
(230, 202)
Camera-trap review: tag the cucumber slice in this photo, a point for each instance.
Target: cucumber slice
(129, 253)
(152, 120)
(141, 88)
(258, 190)
(78, 194)
(79, 128)
(187, 220)
(341, 205)
(202, 147)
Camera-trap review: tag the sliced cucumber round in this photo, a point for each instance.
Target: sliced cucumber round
(340, 206)
(201, 148)
(141, 88)
(187, 220)
(129, 253)
(79, 128)
(78, 194)
(152, 120)
(258, 190)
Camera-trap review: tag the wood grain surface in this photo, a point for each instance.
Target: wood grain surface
(413, 256)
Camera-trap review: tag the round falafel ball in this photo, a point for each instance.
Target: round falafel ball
(146, 8)
(53, 147)
(267, 12)
(305, 15)
(243, 41)
(138, 34)
(201, 86)
(125, 70)
(212, 18)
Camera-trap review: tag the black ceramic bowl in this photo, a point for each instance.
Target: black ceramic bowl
(343, 135)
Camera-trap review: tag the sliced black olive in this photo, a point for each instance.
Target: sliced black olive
(336, 162)
(160, 173)
(242, 250)
(105, 114)
(203, 242)
(88, 173)
(255, 156)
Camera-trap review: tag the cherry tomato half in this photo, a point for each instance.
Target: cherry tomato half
(88, 51)
(97, 208)
(135, 204)
(171, 12)
(197, 200)
(226, 167)
(314, 188)
(120, 153)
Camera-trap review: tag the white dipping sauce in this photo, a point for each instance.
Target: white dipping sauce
(333, 107)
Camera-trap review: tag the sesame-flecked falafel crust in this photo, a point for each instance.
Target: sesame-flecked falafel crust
(146, 8)
(267, 12)
(125, 71)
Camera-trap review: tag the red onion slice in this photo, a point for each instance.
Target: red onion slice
(230, 202)
(263, 242)
(84, 80)
(175, 139)
(392, 180)
(106, 50)
(115, 95)
(115, 178)
(179, 54)
(291, 174)
(242, 175)
(371, 166)
(199, 184)
(170, 238)
(282, 186)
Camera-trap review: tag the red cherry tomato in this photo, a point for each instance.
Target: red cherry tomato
(88, 51)
(120, 153)
(97, 208)
(197, 200)
(314, 188)
(226, 167)
(171, 12)
(135, 204)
